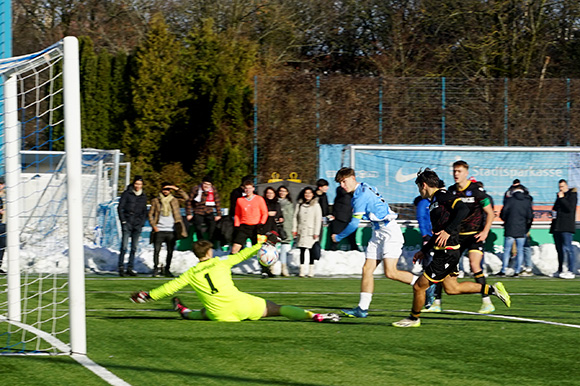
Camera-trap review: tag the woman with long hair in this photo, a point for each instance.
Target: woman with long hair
(306, 228)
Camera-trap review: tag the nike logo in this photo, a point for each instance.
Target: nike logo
(400, 177)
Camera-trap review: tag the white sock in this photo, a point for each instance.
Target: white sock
(437, 301)
(414, 279)
(365, 300)
(486, 300)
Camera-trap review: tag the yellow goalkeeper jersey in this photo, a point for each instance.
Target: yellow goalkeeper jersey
(211, 281)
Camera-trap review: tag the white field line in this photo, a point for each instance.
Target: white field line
(516, 318)
(99, 370)
(85, 361)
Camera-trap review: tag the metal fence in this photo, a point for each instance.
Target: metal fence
(294, 114)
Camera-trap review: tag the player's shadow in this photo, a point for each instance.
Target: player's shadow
(198, 376)
(146, 316)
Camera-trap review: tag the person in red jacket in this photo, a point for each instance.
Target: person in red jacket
(251, 214)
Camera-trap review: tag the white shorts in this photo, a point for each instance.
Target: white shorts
(386, 242)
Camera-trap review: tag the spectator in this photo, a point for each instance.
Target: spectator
(306, 228)
(342, 213)
(286, 234)
(132, 214)
(251, 215)
(237, 193)
(167, 223)
(203, 207)
(321, 189)
(517, 216)
(563, 228)
(515, 185)
(527, 268)
(275, 217)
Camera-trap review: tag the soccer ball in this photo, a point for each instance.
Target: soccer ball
(267, 255)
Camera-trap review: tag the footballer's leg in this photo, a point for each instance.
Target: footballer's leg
(391, 246)
(235, 248)
(367, 287)
(187, 313)
(453, 287)
(297, 313)
(475, 260)
(419, 289)
(393, 273)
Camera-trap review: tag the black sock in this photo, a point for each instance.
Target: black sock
(487, 290)
(438, 290)
(480, 278)
(414, 315)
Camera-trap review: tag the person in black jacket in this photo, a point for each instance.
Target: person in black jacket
(132, 214)
(563, 228)
(517, 216)
(275, 217)
(321, 189)
(342, 213)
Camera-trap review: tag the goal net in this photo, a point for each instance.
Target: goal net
(42, 300)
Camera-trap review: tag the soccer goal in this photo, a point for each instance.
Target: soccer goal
(42, 310)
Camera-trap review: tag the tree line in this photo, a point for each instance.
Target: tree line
(170, 82)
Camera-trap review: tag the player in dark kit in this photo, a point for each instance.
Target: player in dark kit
(447, 212)
(473, 230)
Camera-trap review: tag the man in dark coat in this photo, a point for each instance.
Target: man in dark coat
(132, 214)
(342, 213)
(563, 228)
(517, 215)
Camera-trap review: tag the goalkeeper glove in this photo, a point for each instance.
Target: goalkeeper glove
(271, 237)
(140, 297)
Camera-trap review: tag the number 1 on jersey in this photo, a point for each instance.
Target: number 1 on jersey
(213, 289)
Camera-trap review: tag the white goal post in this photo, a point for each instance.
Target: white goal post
(45, 85)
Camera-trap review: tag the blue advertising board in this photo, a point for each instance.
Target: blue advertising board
(393, 169)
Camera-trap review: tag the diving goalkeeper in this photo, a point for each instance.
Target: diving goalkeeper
(222, 301)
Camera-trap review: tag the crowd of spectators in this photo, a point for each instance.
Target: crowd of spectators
(300, 220)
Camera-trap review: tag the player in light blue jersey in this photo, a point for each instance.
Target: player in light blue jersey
(386, 243)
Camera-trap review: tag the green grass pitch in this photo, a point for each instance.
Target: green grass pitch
(150, 345)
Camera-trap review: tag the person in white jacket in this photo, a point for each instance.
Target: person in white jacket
(306, 229)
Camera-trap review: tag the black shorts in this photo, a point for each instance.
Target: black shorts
(444, 263)
(244, 232)
(469, 243)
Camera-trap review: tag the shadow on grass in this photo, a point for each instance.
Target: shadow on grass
(200, 375)
(135, 317)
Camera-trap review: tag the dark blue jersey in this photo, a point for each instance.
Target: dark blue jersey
(446, 212)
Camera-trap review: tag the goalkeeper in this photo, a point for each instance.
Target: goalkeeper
(222, 301)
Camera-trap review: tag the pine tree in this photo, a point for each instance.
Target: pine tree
(120, 99)
(220, 107)
(88, 76)
(157, 90)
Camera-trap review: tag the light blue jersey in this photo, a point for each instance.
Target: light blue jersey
(367, 204)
